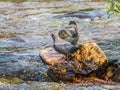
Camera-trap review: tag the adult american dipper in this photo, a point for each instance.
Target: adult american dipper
(63, 46)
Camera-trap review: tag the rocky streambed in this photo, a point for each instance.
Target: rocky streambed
(25, 30)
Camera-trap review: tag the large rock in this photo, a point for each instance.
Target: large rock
(86, 62)
(90, 54)
(50, 56)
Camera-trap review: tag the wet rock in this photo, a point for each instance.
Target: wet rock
(16, 39)
(91, 54)
(20, 75)
(116, 74)
(65, 71)
(83, 63)
(108, 71)
(50, 56)
(84, 14)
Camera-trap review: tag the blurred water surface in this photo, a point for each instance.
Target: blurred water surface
(25, 29)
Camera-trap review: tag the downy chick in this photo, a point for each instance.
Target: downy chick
(70, 33)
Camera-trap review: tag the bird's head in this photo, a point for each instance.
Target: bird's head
(53, 36)
(62, 34)
(73, 24)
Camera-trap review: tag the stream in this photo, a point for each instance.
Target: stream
(25, 29)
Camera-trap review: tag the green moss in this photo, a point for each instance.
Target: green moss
(114, 7)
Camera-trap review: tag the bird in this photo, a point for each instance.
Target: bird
(70, 33)
(63, 46)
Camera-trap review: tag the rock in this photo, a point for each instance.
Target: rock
(84, 63)
(91, 54)
(65, 71)
(116, 76)
(116, 73)
(21, 75)
(92, 14)
(50, 56)
(16, 39)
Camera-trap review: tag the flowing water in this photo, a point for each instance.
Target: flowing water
(25, 29)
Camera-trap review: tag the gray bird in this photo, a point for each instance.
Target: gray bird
(70, 33)
(63, 46)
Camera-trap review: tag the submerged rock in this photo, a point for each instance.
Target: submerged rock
(16, 39)
(20, 75)
(84, 14)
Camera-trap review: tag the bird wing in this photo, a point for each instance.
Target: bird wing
(61, 49)
(70, 48)
(69, 34)
(67, 48)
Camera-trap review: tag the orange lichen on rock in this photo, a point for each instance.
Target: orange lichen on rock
(50, 56)
(87, 63)
(90, 54)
